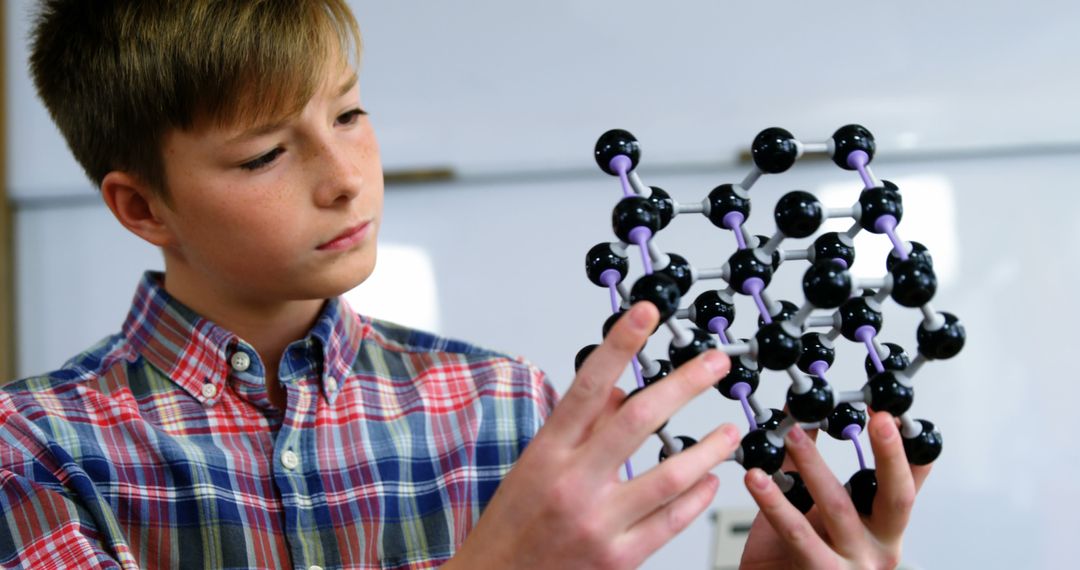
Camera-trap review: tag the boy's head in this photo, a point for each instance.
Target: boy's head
(117, 75)
(227, 132)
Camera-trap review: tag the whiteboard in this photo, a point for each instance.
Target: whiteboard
(489, 86)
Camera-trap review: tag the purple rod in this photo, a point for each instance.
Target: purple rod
(753, 287)
(610, 277)
(719, 325)
(866, 334)
(741, 390)
(819, 368)
(734, 221)
(887, 224)
(852, 432)
(629, 470)
(640, 236)
(621, 164)
(858, 160)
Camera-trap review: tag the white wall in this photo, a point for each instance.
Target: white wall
(511, 88)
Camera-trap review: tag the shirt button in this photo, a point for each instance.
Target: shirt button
(240, 361)
(331, 385)
(209, 390)
(290, 460)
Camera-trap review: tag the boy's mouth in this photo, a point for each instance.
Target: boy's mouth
(347, 238)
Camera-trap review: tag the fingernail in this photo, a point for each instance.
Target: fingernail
(886, 431)
(638, 317)
(759, 479)
(732, 433)
(796, 435)
(716, 361)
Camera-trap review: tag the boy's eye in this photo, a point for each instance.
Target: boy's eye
(350, 116)
(263, 160)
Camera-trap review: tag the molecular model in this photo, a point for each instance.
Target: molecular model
(835, 302)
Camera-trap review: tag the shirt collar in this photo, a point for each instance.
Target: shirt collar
(195, 352)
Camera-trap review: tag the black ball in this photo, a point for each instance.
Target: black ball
(914, 283)
(814, 404)
(634, 212)
(774, 150)
(924, 448)
(776, 417)
(665, 369)
(918, 251)
(664, 205)
(758, 451)
(686, 441)
(743, 265)
(876, 202)
(834, 245)
(798, 214)
(888, 394)
(660, 290)
(612, 144)
(582, 354)
(798, 495)
(897, 360)
(610, 322)
(679, 270)
(778, 345)
(602, 257)
(858, 312)
(784, 313)
(725, 199)
(741, 371)
(710, 305)
(944, 342)
(815, 347)
(680, 355)
(863, 487)
(848, 139)
(842, 416)
(637, 391)
(826, 284)
(761, 241)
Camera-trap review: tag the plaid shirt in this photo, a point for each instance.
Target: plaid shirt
(159, 448)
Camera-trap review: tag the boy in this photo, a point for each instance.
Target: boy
(246, 418)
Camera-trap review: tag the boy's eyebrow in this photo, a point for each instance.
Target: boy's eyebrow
(349, 84)
(267, 128)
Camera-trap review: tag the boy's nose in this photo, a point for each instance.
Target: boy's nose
(340, 177)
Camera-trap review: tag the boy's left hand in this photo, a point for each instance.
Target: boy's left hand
(833, 534)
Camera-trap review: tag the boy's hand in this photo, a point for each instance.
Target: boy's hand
(833, 534)
(563, 504)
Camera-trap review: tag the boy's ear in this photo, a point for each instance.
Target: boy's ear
(137, 207)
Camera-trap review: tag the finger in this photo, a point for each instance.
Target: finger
(642, 415)
(793, 529)
(656, 529)
(675, 475)
(896, 486)
(573, 417)
(833, 504)
(920, 473)
(789, 463)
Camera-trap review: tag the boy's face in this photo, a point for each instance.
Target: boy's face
(255, 214)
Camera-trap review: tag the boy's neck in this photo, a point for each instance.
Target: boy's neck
(268, 327)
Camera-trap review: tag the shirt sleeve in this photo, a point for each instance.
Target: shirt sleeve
(41, 528)
(41, 524)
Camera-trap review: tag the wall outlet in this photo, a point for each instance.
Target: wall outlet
(730, 528)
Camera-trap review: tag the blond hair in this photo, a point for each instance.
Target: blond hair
(116, 75)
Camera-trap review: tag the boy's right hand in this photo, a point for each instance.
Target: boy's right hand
(563, 504)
